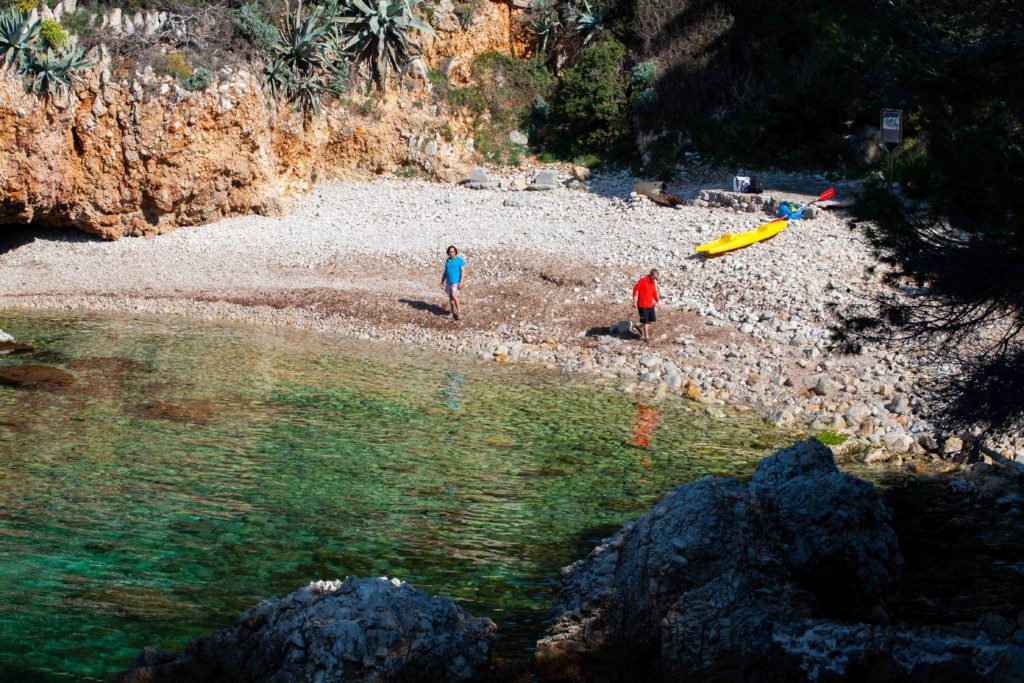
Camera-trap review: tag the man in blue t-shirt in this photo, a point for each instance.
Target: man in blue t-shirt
(451, 280)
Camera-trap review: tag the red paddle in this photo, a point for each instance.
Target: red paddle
(827, 194)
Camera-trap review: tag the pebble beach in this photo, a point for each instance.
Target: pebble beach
(547, 274)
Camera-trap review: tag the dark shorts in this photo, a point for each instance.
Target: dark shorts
(647, 315)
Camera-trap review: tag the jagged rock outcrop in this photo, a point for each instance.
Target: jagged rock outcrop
(375, 630)
(143, 156)
(770, 581)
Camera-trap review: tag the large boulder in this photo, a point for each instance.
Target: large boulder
(610, 604)
(692, 589)
(723, 631)
(832, 530)
(353, 630)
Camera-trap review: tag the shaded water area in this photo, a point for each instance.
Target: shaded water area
(194, 469)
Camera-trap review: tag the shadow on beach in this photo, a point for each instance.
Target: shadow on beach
(15, 235)
(424, 306)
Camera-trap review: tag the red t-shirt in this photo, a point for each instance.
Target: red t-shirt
(646, 292)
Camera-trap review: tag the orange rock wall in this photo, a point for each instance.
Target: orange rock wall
(145, 157)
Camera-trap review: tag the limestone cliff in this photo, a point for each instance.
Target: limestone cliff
(144, 156)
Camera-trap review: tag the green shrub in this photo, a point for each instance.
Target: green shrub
(79, 22)
(53, 34)
(590, 109)
(540, 110)
(248, 20)
(199, 80)
(408, 171)
(501, 100)
(645, 101)
(641, 76)
(25, 5)
(438, 85)
(174, 64)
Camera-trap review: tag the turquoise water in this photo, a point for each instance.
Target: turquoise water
(194, 469)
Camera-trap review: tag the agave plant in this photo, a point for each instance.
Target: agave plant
(588, 22)
(546, 25)
(307, 59)
(17, 37)
(52, 73)
(380, 34)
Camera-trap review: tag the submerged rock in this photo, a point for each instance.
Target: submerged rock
(35, 376)
(769, 580)
(351, 630)
(198, 410)
(14, 347)
(8, 345)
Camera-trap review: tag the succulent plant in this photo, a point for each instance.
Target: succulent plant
(52, 73)
(588, 22)
(17, 37)
(546, 24)
(379, 34)
(306, 59)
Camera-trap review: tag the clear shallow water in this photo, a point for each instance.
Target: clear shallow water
(195, 469)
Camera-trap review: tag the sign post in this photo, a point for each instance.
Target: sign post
(892, 133)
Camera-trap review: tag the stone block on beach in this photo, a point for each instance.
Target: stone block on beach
(544, 180)
(480, 179)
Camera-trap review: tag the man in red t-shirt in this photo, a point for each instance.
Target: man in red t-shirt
(645, 298)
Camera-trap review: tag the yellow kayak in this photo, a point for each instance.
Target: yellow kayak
(729, 241)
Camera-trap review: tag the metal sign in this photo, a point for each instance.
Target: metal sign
(892, 127)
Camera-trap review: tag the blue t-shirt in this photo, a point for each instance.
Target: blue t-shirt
(453, 270)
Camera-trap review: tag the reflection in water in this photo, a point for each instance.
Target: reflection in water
(644, 424)
(193, 470)
(452, 393)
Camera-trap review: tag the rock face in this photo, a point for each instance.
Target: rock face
(142, 156)
(727, 581)
(353, 630)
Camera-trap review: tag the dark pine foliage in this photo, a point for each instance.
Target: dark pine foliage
(955, 239)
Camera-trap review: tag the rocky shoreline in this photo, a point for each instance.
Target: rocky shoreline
(548, 273)
(794, 576)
